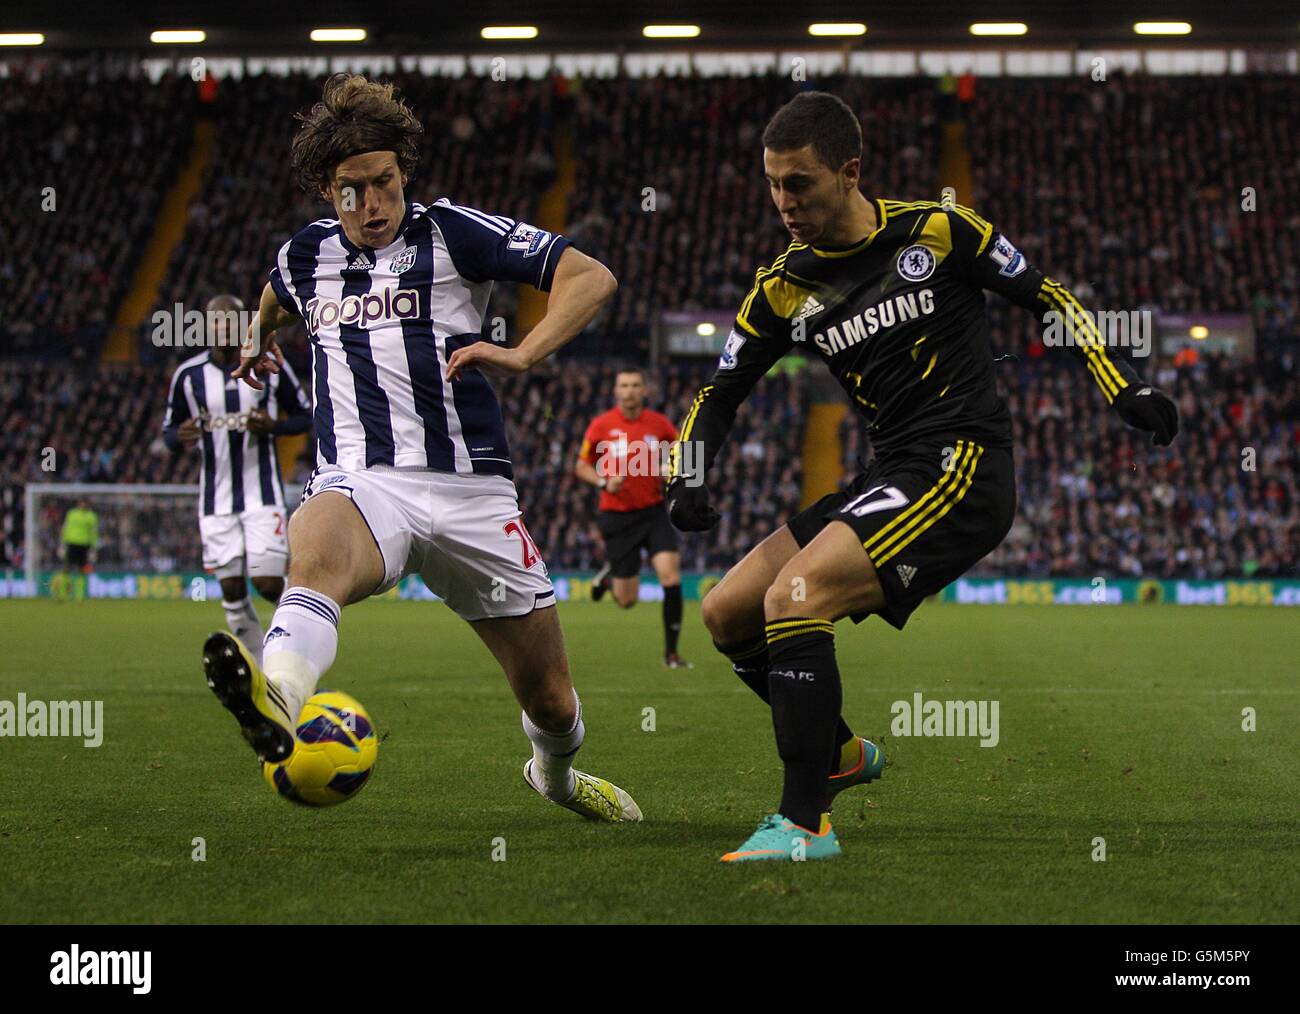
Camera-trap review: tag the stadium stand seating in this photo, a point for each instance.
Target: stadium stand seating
(1107, 201)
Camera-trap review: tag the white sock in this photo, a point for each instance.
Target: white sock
(242, 620)
(553, 754)
(301, 644)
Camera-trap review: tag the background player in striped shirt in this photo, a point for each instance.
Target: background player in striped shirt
(413, 470)
(620, 456)
(242, 514)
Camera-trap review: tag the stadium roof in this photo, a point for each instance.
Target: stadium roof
(425, 26)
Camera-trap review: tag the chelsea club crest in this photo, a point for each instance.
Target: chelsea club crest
(916, 263)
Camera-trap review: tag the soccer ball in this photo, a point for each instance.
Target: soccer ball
(334, 754)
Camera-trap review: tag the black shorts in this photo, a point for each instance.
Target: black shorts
(626, 532)
(78, 556)
(924, 516)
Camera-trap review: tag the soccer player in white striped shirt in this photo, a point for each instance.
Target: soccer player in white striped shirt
(413, 471)
(242, 516)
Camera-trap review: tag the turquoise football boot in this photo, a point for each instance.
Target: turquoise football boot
(870, 766)
(778, 838)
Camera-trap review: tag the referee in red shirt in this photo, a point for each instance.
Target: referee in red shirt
(621, 457)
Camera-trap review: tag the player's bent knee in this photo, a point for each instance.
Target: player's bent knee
(789, 595)
(270, 588)
(232, 589)
(550, 707)
(727, 619)
(714, 615)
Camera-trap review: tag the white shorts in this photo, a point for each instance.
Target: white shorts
(462, 533)
(257, 536)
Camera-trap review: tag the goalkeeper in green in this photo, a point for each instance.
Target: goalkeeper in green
(79, 540)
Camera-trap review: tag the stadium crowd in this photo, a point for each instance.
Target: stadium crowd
(670, 186)
(84, 190)
(1110, 201)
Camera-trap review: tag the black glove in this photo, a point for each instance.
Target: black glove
(1149, 409)
(688, 507)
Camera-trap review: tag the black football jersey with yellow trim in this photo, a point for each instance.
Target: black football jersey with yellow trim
(899, 319)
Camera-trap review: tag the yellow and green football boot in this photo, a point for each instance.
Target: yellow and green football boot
(593, 797)
(237, 680)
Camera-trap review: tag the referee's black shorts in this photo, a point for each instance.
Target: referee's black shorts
(78, 556)
(925, 516)
(627, 532)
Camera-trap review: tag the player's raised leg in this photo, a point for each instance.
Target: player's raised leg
(828, 579)
(734, 616)
(335, 561)
(530, 649)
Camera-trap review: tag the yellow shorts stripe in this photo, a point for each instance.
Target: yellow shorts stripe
(950, 502)
(950, 485)
(911, 510)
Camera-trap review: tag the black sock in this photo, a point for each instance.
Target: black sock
(806, 696)
(672, 617)
(749, 662)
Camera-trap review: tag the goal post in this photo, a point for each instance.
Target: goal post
(144, 528)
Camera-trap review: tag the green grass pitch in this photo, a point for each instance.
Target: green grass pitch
(1121, 723)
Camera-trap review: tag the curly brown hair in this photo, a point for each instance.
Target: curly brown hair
(353, 116)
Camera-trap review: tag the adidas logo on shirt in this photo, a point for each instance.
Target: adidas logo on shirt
(906, 573)
(809, 308)
(360, 263)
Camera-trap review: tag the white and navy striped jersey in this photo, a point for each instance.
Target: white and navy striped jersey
(383, 323)
(240, 470)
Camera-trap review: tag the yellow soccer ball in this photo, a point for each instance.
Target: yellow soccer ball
(333, 756)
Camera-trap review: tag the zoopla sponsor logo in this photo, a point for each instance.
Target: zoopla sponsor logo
(365, 310)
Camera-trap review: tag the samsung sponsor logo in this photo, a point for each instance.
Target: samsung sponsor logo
(860, 327)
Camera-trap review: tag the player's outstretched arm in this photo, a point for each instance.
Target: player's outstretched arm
(996, 264)
(259, 354)
(759, 338)
(580, 286)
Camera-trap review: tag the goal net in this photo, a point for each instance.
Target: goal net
(148, 531)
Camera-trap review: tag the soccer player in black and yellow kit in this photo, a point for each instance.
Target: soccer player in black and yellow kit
(889, 295)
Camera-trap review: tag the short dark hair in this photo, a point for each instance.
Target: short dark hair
(354, 116)
(818, 118)
(629, 369)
